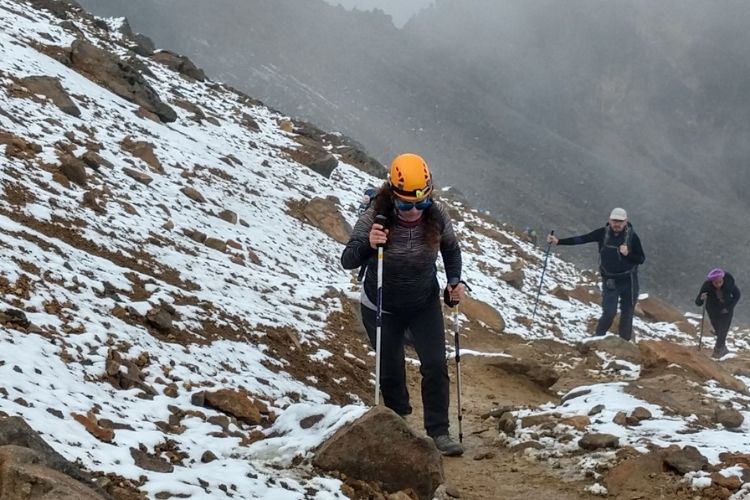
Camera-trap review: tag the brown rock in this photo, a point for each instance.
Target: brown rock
(729, 417)
(620, 418)
(149, 462)
(613, 345)
(208, 456)
(514, 278)
(74, 169)
(641, 413)
(323, 214)
(479, 311)
(143, 150)
(118, 76)
(141, 177)
(229, 216)
(657, 356)
(15, 431)
(180, 64)
(628, 477)
(732, 483)
(579, 422)
(94, 161)
(507, 423)
(216, 244)
(595, 441)
(235, 403)
(25, 475)
(193, 194)
(656, 310)
(93, 428)
(379, 446)
(687, 459)
(51, 88)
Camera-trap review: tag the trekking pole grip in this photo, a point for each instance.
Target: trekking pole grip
(383, 221)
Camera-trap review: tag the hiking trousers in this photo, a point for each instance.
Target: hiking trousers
(625, 291)
(428, 337)
(721, 324)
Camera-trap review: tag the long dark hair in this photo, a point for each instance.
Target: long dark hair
(431, 219)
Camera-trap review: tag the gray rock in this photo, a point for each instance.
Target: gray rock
(688, 459)
(595, 441)
(729, 417)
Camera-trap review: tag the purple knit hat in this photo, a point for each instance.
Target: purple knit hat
(715, 274)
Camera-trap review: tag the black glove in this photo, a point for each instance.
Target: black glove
(447, 294)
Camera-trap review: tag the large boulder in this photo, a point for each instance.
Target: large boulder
(24, 475)
(613, 345)
(119, 77)
(51, 88)
(15, 432)
(656, 310)
(180, 64)
(380, 447)
(479, 311)
(626, 480)
(323, 214)
(658, 356)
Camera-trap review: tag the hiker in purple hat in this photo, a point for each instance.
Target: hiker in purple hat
(720, 295)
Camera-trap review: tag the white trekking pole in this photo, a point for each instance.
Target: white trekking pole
(380, 219)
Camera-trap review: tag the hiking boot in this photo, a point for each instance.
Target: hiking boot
(447, 446)
(720, 352)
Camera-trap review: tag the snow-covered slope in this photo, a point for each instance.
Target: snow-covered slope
(178, 261)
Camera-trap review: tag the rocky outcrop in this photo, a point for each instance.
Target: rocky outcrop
(28, 463)
(658, 356)
(380, 447)
(323, 214)
(119, 77)
(51, 88)
(180, 64)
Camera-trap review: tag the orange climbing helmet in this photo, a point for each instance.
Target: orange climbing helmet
(410, 177)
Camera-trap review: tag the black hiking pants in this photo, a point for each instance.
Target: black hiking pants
(623, 289)
(721, 324)
(428, 337)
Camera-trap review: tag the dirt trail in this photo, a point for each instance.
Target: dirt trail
(500, 473)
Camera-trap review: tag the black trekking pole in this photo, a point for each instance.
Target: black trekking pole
(703, 317)
(382, 220)
(456, 338)
(541, 280)
(458, 374)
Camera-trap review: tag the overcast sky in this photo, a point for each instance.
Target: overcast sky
(399, 10)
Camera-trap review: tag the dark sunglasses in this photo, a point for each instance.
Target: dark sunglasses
(405, 206)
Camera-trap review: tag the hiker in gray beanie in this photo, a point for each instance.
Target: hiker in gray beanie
(620, 254)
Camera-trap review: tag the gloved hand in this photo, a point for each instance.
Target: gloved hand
(453, 294)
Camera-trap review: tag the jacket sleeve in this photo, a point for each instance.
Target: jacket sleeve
(449, 249)
(735, 297)
(704, 289)
(358, 250)
(594, 236)
(636, 254)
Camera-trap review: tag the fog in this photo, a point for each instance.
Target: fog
(545, 113)
(399, 10)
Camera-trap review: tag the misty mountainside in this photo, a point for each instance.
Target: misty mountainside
(567, 109)
(175, 321)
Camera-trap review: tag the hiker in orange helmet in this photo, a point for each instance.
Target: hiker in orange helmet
(413, 228)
